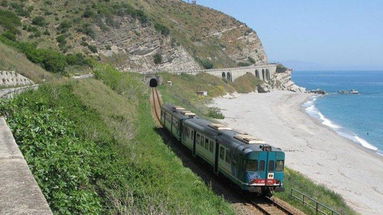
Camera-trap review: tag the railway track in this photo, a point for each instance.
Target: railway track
(271, 206)
(262, 205)
(156, 105)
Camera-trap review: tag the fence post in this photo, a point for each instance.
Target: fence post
(316, 207)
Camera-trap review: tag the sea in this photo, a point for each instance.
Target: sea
(358, 117)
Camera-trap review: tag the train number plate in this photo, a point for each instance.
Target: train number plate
(270, 176)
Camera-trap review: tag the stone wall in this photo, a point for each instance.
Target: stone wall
(11, 78)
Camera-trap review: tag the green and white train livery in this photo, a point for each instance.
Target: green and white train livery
(248, 162)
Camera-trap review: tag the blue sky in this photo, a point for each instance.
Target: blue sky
(308, 34)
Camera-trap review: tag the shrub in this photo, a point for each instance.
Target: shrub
(207, 64)
(243, 64)
(251, 60)
(61, 40)
(39, 20)
(77, 59)
(9, 21)
(88, 13)
(157, 58)
(9, 35)
(215, 113)
(87, 29)
(64, 26)
(92, 48)
(19, 9)
(162, 29)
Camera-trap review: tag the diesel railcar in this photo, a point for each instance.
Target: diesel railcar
(248, 162)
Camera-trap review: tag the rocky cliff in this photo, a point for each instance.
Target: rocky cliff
(138, 35)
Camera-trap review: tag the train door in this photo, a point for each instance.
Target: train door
(216, 152)
(262, 164)
(193, 141)
(270, 167)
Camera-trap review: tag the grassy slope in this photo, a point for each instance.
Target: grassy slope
(112, 160)
(246, 83)
(183, 93)
(184, 88)
(10, 59)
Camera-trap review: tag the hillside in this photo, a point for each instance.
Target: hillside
(12, 60)
(135, 35)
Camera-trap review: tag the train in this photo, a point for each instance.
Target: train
(251, 164)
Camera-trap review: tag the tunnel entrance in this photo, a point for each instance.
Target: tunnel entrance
(153, 82)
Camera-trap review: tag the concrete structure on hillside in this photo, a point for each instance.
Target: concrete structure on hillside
(19, 192)
(11, 78)
(263, 72)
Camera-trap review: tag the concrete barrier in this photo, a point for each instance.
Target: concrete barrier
(19, 192)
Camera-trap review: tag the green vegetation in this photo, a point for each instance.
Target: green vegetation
(39, 20)
(251, 60)
(157, 58)
(11, 59)
(215, 113)
(182, 92)
(246, 83)
(162, 29)
(9, 21)
(51, 60)
(93, 148)
(184, 89)
(300, 182)
(207, 64)
(243, 64)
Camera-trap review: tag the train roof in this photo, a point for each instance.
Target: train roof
(178, 111)
(230, 137)
(239, 141)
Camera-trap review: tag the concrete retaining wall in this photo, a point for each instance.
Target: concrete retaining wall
(11, 78)
(19, 192)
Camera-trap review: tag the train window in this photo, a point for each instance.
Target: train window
(252, 165)
(271, 165)
(222, 153)
(279, 166)
(227, 156)
(206, 143)
(211, 146)
(262, 165)
(197, 140)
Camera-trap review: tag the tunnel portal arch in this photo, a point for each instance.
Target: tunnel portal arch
(153, 82)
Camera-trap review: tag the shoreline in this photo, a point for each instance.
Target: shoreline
(311, 148)
(359, 146)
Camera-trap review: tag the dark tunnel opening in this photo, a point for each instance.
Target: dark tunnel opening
(153, 82)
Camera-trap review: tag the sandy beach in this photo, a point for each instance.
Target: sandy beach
(311, 148)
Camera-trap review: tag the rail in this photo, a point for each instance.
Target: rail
(156, 100)
(270, 206)
(312, 203)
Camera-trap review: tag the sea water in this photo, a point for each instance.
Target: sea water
(357, 117)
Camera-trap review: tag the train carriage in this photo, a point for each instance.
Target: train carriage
(248, 162)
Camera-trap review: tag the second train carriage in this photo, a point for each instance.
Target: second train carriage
(248, 162)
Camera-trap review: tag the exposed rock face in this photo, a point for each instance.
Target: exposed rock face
(133, 46)
(242, 44)
(282, 81)
(206, 35)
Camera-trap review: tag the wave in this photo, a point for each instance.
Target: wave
(315, 113)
